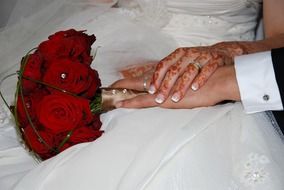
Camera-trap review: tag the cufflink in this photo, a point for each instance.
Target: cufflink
(265, 97)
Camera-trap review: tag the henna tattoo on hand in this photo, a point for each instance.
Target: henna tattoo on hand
(175, 73)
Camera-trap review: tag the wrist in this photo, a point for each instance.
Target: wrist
(228, 85)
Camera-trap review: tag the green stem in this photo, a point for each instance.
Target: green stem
(19, 89)
(4, 100)
(64, 140)
(96, 104)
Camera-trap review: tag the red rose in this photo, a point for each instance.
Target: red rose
(95, 83)
(31, 101)
(96, 123)
(22, 117)
(84, 134)
(62, 112)
(36, 144)
(75, 45)
(32, 70)
(72, 76)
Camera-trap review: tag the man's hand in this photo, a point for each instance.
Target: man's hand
(221, 86)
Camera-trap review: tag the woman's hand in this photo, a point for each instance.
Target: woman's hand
(221, 86)
(138, 70)
(190, 67)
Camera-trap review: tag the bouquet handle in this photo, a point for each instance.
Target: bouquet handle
(110, 96)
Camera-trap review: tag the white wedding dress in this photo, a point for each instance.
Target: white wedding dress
(214, 148)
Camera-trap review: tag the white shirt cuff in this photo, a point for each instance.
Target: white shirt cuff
(257, 83)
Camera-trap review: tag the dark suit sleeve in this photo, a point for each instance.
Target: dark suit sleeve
(278, 64)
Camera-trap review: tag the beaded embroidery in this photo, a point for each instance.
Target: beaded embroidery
(254, 172)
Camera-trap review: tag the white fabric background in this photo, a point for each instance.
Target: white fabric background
(104, 163)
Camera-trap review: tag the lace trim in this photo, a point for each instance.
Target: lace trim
(4, 115)
(233, 186)
(254, 170)
(151, 12)
(275, 124)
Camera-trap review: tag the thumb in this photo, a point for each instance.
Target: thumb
(129, 83)
(142, 101)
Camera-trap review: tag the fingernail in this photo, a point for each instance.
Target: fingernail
(160, 98)
(152, 89)
(118, 104)
(175, 97)
(194, 87)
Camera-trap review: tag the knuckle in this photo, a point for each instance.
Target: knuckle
(202, 78)
(165, 87)
(187, 76)
(165, 60)
(188, 54)
(204, 73)
(216, 55)
(182, 60)
(173, 70)
(163, 90)
(181, 89)
(161, 65)
(155, 76)
(180, 50)
(165, 84)
(193, 53)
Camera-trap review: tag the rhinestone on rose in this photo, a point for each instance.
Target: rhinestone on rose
(63, 75)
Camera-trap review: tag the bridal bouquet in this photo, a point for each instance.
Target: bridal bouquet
(58, 99)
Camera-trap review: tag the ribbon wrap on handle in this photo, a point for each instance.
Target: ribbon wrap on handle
(110, 96)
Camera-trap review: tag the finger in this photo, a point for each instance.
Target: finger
(184, 82)
(231, 49)
(185, 103)
(175, 71)
(206, 96)
(162, 68)
(129, 83)
(138, 70)
(190, 73)
(142, 101)
(203, 58)
(205, 73)
(171, 77)
(227, 57)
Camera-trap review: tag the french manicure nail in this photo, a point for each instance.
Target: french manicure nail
(175, 97)
(152, 89)
(194, 87)
(160, 98)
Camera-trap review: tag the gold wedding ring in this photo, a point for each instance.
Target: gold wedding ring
(145, 83)
(197, 66)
